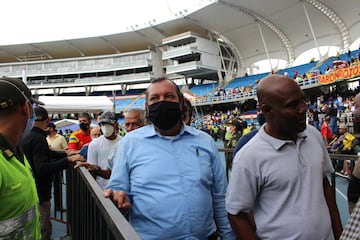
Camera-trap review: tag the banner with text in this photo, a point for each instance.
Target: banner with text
(343, 73)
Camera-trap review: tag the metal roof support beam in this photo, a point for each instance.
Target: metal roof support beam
(114, 100)
(312, 31)
(266, 49)
(285, 40)
(228, 68)
(236, 53)
(335, 19)
(56, 91)
(123, 88)
(144, 36)
(110, 44)
(41, 50)
(88, 90)
(220, 77)
(162, 32)
(76, 48)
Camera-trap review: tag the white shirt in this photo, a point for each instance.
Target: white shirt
(98, 153)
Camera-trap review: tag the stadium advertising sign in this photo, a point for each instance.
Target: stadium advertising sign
(343, 73)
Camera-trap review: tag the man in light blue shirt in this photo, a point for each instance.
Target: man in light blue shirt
(169, 176)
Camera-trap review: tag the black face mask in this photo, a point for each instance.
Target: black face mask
(164, 115)
(84, 126)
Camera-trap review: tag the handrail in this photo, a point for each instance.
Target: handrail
(205, 100)
(338, 156)
(91, 216)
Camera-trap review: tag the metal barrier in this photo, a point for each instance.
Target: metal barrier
(334, 157)
(59, 210)
(228, 159)
(90, 215)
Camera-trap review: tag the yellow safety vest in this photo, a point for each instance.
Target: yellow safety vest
(19, 217)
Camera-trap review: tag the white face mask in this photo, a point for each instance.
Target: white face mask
(107, 130)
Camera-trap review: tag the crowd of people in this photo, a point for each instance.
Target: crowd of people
(349, 60)
(167, 177)
(302, 78)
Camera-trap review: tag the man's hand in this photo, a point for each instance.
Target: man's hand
(72, 152)
(119, 198)
(76, 157)
(90, 167)
(82, 164)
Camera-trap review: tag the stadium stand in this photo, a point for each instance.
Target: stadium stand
(245, 81)
(121, 104)
(301, 69)
(204, 89)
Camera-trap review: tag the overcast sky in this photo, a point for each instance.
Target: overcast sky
(30, 21)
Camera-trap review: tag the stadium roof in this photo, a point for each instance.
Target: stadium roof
(284, 27)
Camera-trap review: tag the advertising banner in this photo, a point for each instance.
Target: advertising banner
(343, 73)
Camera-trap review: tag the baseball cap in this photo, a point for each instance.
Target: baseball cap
(14, 91)
(107, 117)
(52, 125)
(41, 114)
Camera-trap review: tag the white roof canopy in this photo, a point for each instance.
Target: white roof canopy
(76, 104)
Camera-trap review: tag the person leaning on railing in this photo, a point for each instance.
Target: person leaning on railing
(134, 119)
(19, 215)
(44, 163)
(169, 176)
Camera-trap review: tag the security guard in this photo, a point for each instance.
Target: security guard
(19, 217)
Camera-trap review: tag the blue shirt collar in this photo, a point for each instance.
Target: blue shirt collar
(184, 130)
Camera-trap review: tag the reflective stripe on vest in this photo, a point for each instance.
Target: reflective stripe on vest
(15, 227)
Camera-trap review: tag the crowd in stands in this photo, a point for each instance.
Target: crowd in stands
(344, 62)
(221, 92)
(308, 74)
(326, 112)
